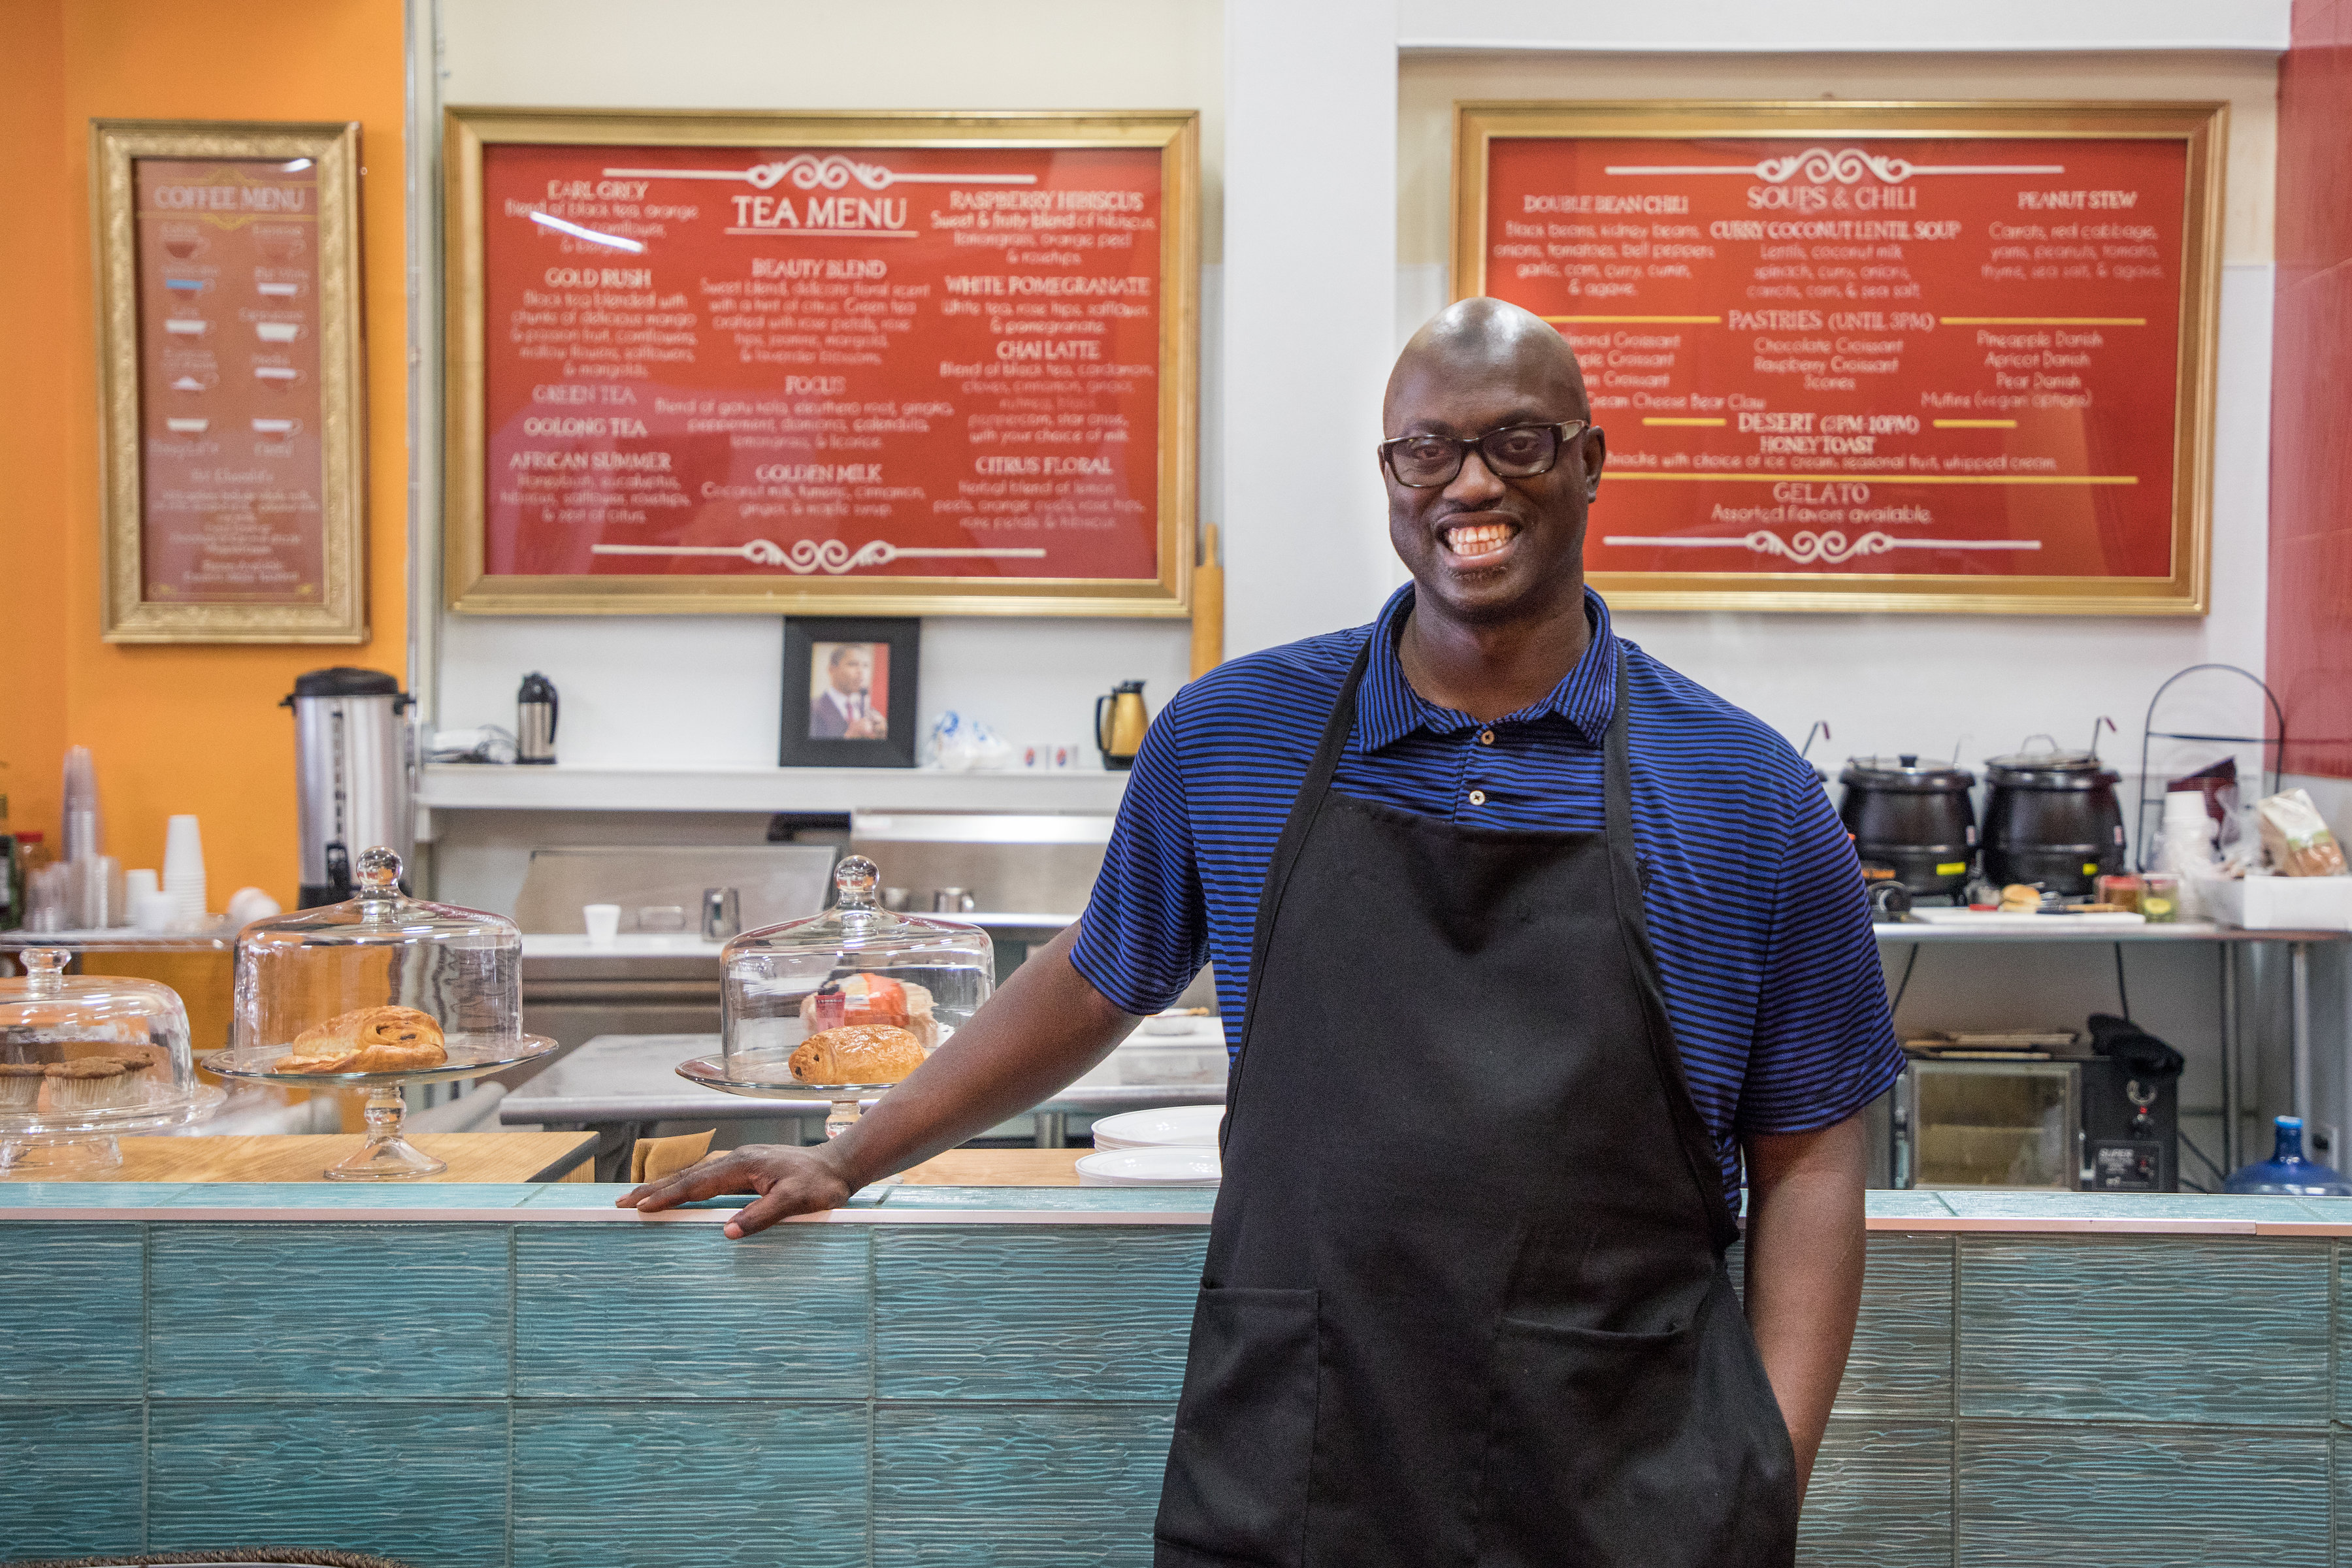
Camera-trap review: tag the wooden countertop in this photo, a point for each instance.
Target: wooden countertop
(999, 1168)
(304, 1157)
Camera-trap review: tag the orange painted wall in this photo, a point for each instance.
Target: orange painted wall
(187, 728)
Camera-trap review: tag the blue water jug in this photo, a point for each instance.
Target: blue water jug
(2286, 1171)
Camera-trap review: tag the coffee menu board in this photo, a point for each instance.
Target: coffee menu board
(1872, 356)
(231, 363)
(821, 364)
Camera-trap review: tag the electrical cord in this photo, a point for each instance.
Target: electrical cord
(2123, 996)
(1904, 983)
(2190, 1144)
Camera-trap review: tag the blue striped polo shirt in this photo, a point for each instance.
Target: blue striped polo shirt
(1754, 900)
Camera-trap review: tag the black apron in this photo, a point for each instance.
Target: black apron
(1465, 1301)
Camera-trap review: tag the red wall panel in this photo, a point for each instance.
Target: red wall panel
(2310, 654)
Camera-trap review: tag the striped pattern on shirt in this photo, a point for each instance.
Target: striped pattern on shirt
(1754, 900)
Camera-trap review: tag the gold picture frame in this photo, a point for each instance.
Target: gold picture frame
(275, 550)
(825, 590)
(2199, 128)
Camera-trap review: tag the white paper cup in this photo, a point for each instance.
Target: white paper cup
(135, 883)
(603, 921)
(2185, 805)
(184, 866)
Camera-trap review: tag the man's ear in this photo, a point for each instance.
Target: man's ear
(1596, 455)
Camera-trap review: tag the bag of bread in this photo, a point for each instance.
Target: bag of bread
(2295, 837)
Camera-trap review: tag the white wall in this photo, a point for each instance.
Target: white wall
(695, 689)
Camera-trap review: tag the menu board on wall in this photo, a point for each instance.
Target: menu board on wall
(911, 365)
(231, 363)
(1872, 356)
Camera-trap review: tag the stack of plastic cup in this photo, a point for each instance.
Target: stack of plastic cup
(2185, 842)
(183, 870)
(151, 909)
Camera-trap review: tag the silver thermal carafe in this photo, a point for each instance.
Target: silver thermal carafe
(355, 776)
(535, 720)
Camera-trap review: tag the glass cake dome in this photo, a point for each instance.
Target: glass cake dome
(379, 970)
(918, 978)
(378, 993)
(85, 1057)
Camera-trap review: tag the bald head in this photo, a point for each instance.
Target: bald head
(1482, 339)
(1484, 548)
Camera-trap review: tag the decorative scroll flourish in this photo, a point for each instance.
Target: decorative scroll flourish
(806, 555)
(809, 171)
(1829, 547)
(1845, 166)
(827, 171)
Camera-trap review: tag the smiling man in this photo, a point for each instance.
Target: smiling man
(1529, 946)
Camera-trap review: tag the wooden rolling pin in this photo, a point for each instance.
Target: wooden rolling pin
(1208, 604)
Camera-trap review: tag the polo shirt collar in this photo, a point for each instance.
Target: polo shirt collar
(1388, 708)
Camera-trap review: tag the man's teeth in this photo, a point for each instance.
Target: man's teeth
(1481, 540)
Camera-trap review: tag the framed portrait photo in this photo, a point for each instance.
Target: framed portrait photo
(849, 692)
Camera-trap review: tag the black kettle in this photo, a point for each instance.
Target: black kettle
(1913, 817)
(2052, 818)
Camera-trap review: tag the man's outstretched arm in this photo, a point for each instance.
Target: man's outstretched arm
(1044, 1029)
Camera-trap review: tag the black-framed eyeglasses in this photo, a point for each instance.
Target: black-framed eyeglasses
(1511, 452)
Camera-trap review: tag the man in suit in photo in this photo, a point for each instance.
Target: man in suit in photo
(845, 710)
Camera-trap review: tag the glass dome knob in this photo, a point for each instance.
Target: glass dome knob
(854, 882)
(378, 871)
(44, 969)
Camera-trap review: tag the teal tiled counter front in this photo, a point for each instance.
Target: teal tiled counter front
(486, 1376)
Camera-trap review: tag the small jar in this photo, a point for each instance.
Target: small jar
(2159, 898)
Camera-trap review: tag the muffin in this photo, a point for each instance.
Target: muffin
(91, 1083)
(20, 1086)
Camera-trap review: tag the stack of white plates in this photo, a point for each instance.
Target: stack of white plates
(1174, 1166)
(1172, 1126)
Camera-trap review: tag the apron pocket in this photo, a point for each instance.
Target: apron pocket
(1590, 1452)
(1236, 1488)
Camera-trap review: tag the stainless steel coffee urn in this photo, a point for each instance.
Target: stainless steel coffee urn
(355, 776)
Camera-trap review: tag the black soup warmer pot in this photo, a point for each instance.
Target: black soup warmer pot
(1913, 817)
(2052, 818)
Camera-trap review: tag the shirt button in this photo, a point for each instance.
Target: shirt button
(1485, 737)
(1477, 798)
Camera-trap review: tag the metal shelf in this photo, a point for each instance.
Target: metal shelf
(2183, 931)
(463, 787)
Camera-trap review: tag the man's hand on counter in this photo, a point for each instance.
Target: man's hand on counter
(1043, 1031)
(790, 1180)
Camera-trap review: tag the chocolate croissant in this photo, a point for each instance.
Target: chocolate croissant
(369, 1039)
(858, 1053)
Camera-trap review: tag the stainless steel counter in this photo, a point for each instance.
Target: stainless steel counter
(621, 1086)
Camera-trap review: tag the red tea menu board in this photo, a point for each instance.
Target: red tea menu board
(232, 444)
(916, 376)
(1946, 367)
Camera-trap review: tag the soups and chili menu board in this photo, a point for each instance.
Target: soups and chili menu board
(1872, 356)
(921, 364)
(230, 344)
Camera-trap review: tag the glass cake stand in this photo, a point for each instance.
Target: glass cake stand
(387, 1156)
(77, 1145)
(775, 1081)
